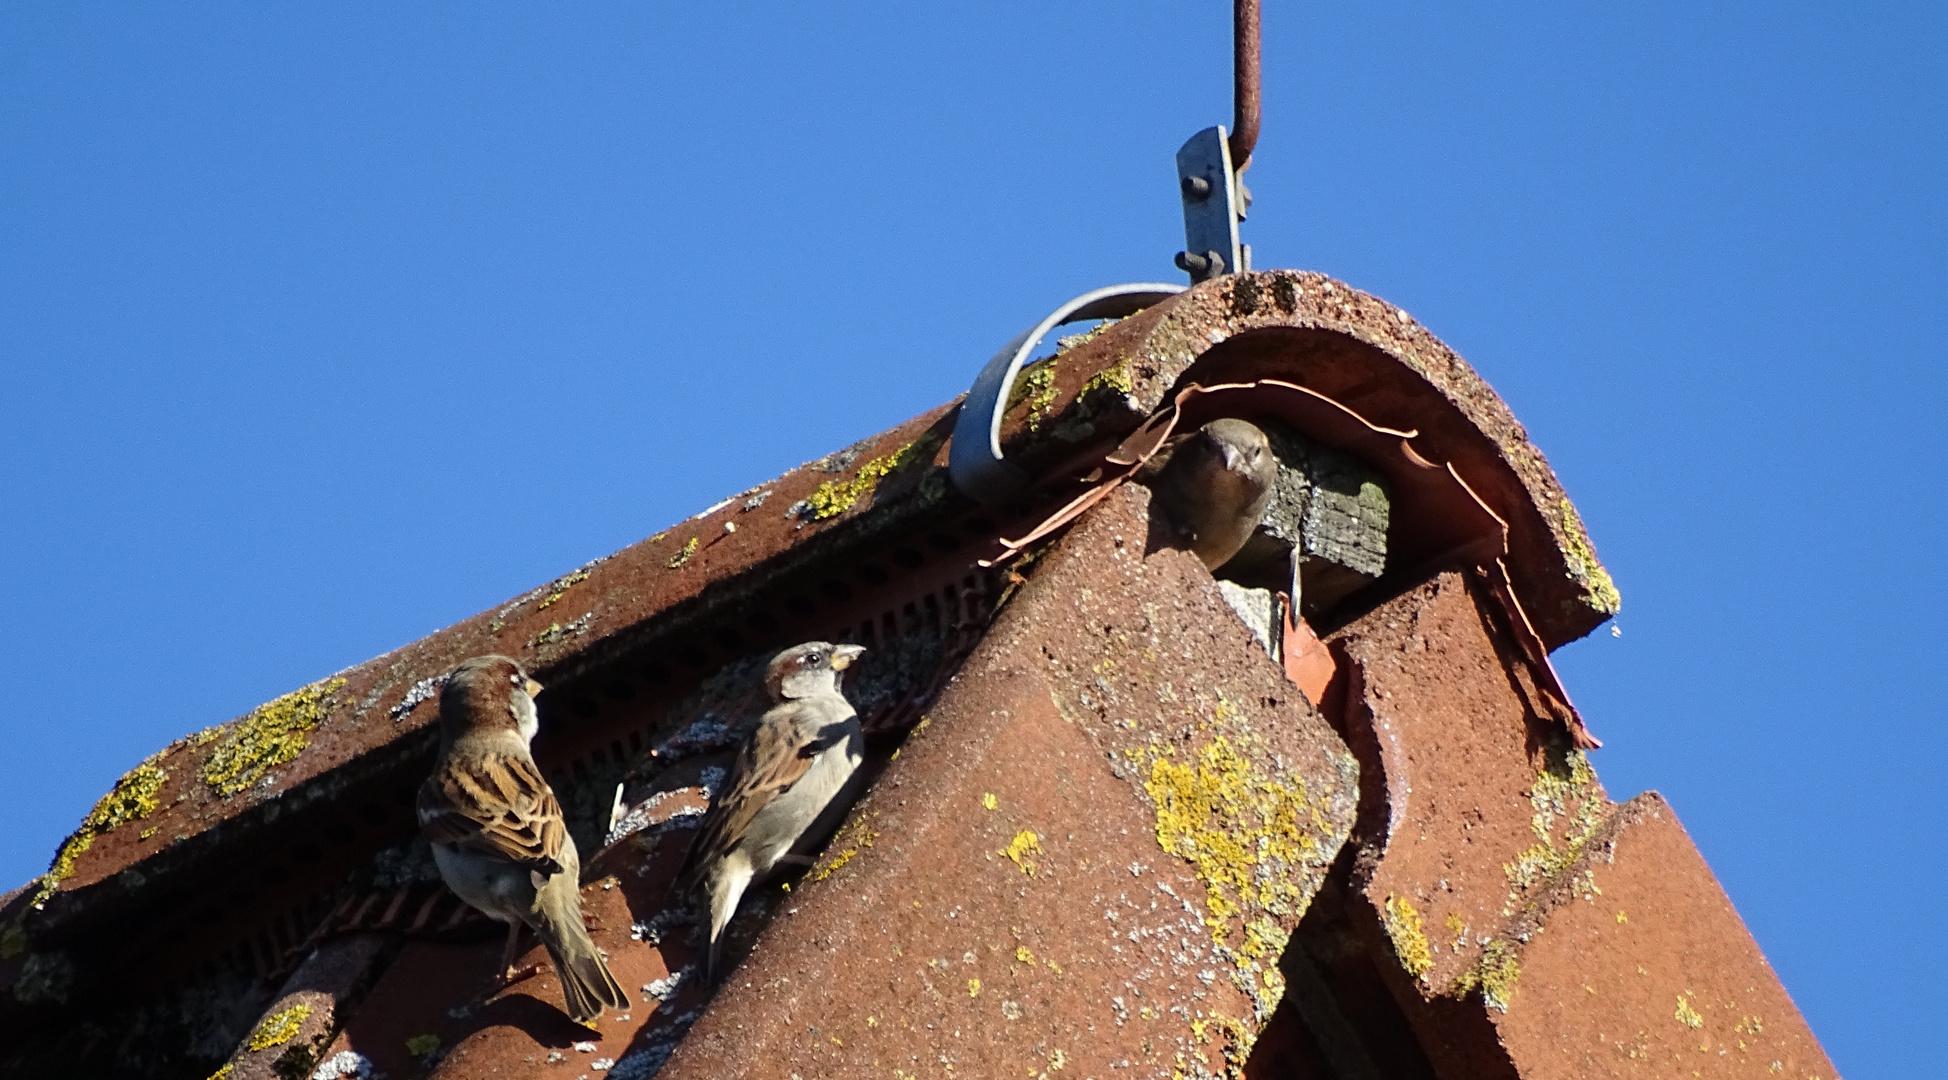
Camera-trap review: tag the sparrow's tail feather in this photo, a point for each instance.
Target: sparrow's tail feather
(585, 979)
(727, 887)
(586, 982)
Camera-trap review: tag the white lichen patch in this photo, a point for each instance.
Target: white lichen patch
(665, 988)
(421, 692)
(344, 1065)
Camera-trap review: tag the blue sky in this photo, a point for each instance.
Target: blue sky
(324, 326)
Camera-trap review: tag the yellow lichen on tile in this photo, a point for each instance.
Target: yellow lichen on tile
(1021, 847)
(1037, 385)
(1600, 588)
(279, 1028)
(133, 798)
(844, 848)
(1403, 925)
(1565, 789)
(1687, 1015)
(683, 554)
(272, 734)
(560, 588)
(835, 497)
(1252, 835)
(1494, 974)
(1237, 1049)
(988, 801)
(1116, 377)
(1242, 831)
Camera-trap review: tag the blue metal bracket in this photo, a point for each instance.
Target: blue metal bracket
(1213, 206)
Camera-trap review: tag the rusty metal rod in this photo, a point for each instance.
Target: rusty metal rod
(1244, 76)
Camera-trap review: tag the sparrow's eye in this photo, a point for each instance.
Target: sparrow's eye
(814, 659)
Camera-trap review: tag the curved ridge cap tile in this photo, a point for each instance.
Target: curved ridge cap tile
(1365, 353)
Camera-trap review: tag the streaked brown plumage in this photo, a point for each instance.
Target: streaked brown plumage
(803, 752)
(497, 831)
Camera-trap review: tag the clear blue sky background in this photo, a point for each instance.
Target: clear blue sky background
(323, 326)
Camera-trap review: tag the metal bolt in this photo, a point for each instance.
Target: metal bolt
(1200, 267)
(1196, 188)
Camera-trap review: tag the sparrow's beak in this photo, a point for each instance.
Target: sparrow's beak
(1231, 456)
(844, 655)
(533, 688)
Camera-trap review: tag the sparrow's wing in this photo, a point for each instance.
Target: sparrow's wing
(496, 804)
(771, 760)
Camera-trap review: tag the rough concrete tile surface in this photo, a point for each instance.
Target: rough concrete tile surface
(1087, 859)
(1535, 928)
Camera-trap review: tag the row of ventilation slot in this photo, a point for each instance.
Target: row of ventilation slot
(960, 609)
(963, 606)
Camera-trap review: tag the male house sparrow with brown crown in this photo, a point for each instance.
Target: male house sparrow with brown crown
(1213, 484)
(497, 830)
(805, 749)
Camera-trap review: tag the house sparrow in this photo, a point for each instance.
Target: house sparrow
(1213, 484)
(801, 755)
(497, 831)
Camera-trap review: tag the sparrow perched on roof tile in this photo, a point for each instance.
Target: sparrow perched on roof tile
(1213, 484)
(497, 832)
(791, 768)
